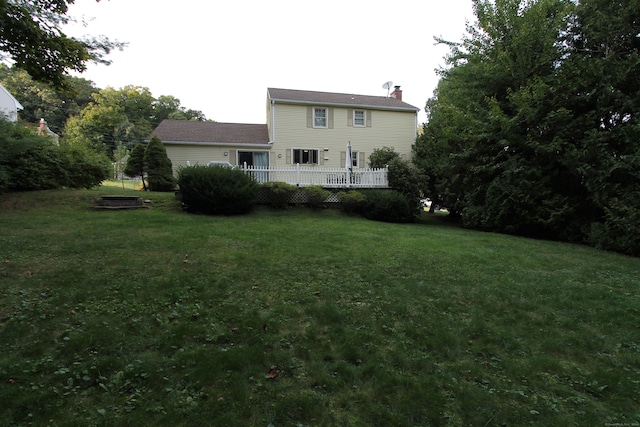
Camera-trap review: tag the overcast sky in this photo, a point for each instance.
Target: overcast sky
(221, 56)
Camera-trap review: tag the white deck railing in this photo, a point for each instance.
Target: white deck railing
(305, 176)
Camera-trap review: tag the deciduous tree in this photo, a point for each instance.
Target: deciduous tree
(31, 37)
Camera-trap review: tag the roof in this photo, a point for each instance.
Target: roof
(193, 132)
(308, 97)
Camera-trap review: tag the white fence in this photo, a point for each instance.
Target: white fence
(305, 176)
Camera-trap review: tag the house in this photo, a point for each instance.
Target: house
(314, 128)
(191, 142)
(9, 106)
(303, 127)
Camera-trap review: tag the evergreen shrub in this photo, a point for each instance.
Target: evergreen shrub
(278, 194)
(158, 167)
(388, 206)
(352, 201)
(316, 196)
(216, 190)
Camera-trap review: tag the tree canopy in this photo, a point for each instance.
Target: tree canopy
(31, 36)
(533, 128)
(123, 116)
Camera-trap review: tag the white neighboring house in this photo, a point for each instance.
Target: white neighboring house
(9, 106)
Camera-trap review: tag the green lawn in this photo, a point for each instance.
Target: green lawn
(304, 318)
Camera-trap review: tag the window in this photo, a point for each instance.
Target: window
(358, 118)
(305, 156)
(319, 117)
(354, 159)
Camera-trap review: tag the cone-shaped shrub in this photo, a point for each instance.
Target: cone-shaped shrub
(158, 166)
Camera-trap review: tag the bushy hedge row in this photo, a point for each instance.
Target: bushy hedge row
(223, 190)
(30, 162)
(379, 205)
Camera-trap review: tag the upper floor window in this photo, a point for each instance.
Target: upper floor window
(359, 118)
(319, 117)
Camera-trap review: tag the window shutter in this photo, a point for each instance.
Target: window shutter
(309, 117)
(288, 156)
(330, 118)
(361, 159)
(320, 157)
(349, 118)
(368, 113)
(343, 158)
(233, 157)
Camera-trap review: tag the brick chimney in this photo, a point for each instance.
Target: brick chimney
(397, 93)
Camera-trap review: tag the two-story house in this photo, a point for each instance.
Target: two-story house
(303, 127)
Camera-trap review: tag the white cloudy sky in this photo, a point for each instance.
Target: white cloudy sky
(221, 56)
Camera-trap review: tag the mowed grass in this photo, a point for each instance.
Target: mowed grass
(304, 318)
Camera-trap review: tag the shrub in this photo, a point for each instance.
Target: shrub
(31, 162)
(316, 196)
(381, 157)
(216, 190)
(352, 201)
(278, 194)
(388, 206)
(406, 179)
(135, 164)
(84, 167)
(158, 166)
(28, 161)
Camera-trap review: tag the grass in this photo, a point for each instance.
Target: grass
(304, 318)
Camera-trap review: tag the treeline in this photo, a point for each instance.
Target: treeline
(534, 127)
(104, 118)
(94, 127)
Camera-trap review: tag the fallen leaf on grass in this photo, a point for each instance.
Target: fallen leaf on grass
(273, 373)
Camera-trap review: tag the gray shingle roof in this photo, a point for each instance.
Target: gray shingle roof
(337, 99)
(210, 132)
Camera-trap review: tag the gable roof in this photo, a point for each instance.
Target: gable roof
(308, 97)
(210, 133)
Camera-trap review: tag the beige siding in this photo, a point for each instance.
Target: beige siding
(388, 128)
(199, 154)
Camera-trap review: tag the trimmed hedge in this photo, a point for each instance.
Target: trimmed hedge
(316, 196)
(279, 193)
(352, 201)
(388, 206)
(216, 190)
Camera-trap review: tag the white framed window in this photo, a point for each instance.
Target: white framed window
(359, 117)
(354, 159)
(319, 117)
(304, 156)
